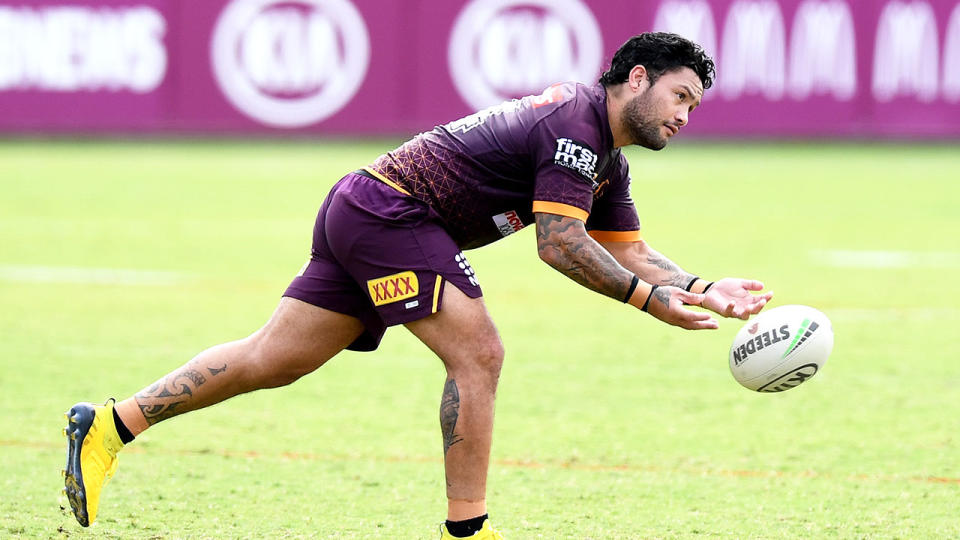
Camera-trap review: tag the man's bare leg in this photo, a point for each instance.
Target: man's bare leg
(297, 339)
(464, 337)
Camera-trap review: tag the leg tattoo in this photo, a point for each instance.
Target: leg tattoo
(449, 413)
(217, 371)
(160, 400)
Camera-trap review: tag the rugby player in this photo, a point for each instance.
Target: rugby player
(388, 250)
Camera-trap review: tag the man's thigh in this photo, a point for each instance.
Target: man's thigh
(305, 333)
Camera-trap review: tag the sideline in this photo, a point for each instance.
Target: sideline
(881, 259)
(516, 464)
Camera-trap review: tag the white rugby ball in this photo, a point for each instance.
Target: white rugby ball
(781, 348)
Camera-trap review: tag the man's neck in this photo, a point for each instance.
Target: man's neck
(615, 104)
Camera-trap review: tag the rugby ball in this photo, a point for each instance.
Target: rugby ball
(781, 348)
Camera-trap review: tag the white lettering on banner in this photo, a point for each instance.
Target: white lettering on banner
(290, 63)
(752, 54)
(505, 48)
(951, 58)
(72, 49)
(692, 19)
(823, 51)
(905, 55)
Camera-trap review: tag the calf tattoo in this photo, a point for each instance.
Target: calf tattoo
(217, 371)
(161, 400)
(449, 413)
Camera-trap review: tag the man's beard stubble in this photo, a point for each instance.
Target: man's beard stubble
(640, 119)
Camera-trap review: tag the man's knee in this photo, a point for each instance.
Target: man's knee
(483, 361)
(493, 357)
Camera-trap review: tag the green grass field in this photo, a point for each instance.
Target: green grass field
(119, 262)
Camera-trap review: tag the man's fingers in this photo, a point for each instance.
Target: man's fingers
(694, 315)
(708, 324)
(752, 285)
(758, 305)
(696, 320)
(750, 308)
(689, 298)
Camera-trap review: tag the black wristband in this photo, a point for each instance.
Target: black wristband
(690, 285)
(707, 288)
(633, 287)
(649, 296)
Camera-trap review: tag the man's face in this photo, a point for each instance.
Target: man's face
(659, 111)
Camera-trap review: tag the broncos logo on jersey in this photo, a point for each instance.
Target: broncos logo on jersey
(599, 188)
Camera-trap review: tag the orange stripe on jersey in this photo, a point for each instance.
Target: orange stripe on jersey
(616, 236)
(386, 180)
(560, 209)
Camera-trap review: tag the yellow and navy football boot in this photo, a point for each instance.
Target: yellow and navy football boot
(92, 446)
(487, 532)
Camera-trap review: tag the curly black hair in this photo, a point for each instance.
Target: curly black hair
(659, 52)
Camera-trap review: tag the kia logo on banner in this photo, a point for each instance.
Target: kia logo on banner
(290, 63)
(501, 49)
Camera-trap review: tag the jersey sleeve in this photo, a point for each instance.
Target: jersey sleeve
(614, 217)
(564, 146)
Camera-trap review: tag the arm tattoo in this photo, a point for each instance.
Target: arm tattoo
(578, 257)
(674, 275)
(161, 400)
(449, 413)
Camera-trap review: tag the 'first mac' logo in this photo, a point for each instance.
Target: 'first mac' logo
(577, 156)
(290, 63)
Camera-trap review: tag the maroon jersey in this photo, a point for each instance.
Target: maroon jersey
(486, 174)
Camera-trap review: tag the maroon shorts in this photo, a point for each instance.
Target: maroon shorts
(380, 256)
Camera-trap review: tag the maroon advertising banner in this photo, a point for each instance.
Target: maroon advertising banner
(786, 68)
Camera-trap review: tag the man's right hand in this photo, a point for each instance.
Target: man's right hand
(667, 304)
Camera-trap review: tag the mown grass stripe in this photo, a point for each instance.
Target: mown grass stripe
(79, 275)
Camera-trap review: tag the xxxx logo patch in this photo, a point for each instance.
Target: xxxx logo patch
(393, 288)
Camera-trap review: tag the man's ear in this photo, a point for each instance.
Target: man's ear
(638, 79)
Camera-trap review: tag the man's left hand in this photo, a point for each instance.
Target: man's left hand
(731, 297)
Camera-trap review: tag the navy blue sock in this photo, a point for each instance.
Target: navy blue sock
(122, 431)
(467, 527)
